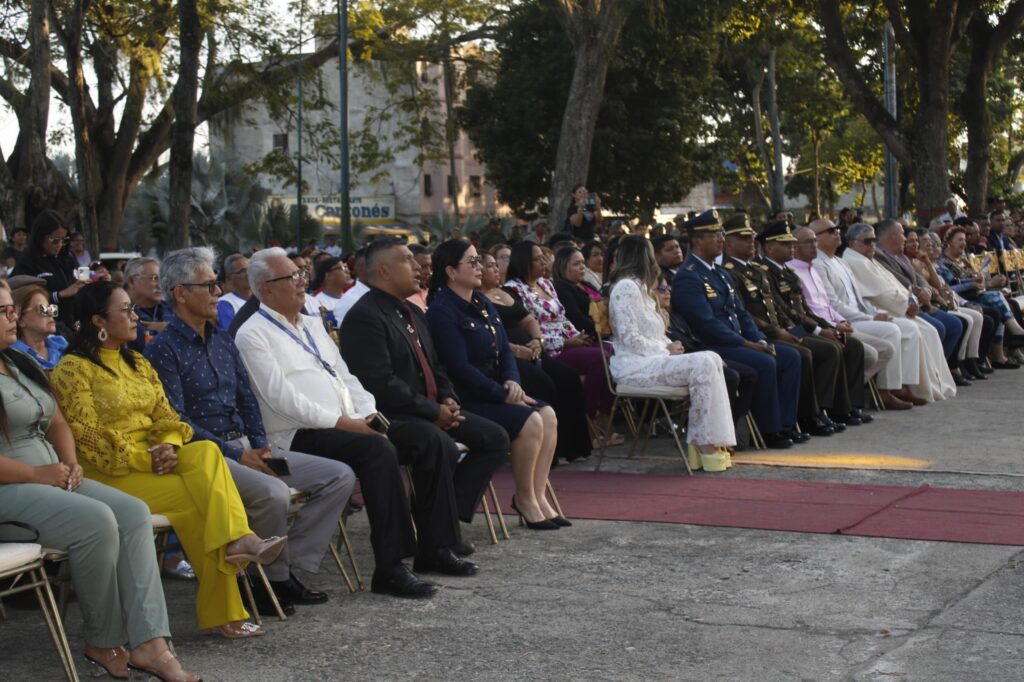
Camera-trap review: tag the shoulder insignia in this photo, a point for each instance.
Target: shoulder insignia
(690, 267)
(762, 266)
(729, 266)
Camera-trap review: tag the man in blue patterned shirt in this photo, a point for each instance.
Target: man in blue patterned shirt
(207, 384)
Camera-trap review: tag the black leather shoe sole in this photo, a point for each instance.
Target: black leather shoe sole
(417, 589)
(460, 568)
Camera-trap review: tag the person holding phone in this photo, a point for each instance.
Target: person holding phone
(584, 214)
(47, 257)
(206, 383)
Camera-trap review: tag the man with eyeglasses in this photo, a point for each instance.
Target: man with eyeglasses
(878, 286)
(142, 283)
(236, 269)
(206, 383)
(312, 403)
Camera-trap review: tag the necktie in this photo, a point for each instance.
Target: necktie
(428, 374)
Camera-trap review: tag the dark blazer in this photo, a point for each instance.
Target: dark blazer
(577, 306)
(709, 304)
(377, 346)
(472, 344)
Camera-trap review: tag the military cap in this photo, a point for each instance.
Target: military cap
(705, 222)
(18, 281)
(739, 225)
(776, 231)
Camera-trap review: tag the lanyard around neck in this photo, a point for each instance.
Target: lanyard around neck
(311, 348)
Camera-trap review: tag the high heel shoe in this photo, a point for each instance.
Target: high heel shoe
(94, 668)
(266, 553)
(711, 462)
(244, 631)
(534, 525)
(561, 521)
(139, 674)
(693, 457)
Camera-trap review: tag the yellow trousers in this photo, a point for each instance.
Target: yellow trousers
(201, 501)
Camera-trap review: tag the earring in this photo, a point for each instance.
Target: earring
(102, 335)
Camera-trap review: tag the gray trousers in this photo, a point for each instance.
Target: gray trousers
(328, 483)
(108, 536)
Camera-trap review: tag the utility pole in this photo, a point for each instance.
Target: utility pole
(298, 179)
(347, 242)
(892, 208)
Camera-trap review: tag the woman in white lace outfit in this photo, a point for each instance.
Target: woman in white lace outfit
(645, 357)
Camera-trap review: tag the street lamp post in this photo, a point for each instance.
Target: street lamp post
(346, 210)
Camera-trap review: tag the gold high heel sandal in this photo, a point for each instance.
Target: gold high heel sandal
(266, 553)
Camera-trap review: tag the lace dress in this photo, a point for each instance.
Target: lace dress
(642, 359)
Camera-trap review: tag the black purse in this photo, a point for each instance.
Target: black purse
(24, 526)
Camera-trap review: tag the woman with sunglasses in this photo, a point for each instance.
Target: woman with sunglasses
(107, 534)
(37, 326)
(130, 438)
(47, 256)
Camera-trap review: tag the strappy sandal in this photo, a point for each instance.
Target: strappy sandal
(244, 631)
(266, 553)
(139, 674)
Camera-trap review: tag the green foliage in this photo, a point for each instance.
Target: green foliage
(648, 143)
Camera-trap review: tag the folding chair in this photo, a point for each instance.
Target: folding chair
(298, 498)
(24, 560)
(657, 397)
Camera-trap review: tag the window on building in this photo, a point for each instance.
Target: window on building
(476, 186)
(428, 185)
(453, 187)
(281, 142)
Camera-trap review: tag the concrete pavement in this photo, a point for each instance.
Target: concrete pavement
(641, 601)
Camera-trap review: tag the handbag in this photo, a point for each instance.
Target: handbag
(24, 526)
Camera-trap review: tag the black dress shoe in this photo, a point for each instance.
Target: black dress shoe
(777, 441)
(1005, 365)
(863, 416)
(297, 592)
(836, 426)
(262, 599)
(817, 428)
(960, 381)
(463, 548)
(401, 582)
(849, 420)
(796, 436)
(444, 561)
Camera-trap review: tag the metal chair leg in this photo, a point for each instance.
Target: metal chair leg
(487, 518)
(341, 568)
(755, 433)
(343, 538)
(604, 441)
(554, 498)
(270, 591)
(53, 622)
(675, 436)
(497, 510)
(641, 424)
(250, 598)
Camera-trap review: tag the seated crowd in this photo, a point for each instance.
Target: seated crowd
(205, 391)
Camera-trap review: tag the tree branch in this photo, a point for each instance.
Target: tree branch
(838, 55)
(1007, 27)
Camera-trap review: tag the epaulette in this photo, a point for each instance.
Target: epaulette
(762, 266)
(729, 266)
(690, 267)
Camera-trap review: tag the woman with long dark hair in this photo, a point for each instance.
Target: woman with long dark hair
(107, 534)
(132, 439)
(645, 357)
(473, 346)
(562, 340)
(543, 377)
(47, 256)
(573, 292)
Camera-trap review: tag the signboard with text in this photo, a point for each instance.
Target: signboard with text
(327, 207)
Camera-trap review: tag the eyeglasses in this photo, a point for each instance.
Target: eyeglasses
(128, 309)
(151, 278)
(46, 310)
(869, 241)
(474, 262)
(59, 240)
(9, 311)
(504, 257)
(662, 288)
(296, 277)
(211, 286)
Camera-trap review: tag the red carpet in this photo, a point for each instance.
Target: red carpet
(924, 513)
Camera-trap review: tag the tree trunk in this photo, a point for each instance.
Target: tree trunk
(185, 122)
(593, 28)
(451, 132)
(930, 150)
(778, 182)
(979, 140)
(85, 162)
(816, 139)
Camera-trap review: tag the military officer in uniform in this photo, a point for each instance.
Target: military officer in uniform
(703, 294)
(760, 299)
(844, 396)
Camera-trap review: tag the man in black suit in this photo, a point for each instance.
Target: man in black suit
(385, 342)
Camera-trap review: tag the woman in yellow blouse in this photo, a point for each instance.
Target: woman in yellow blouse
(131, 439)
